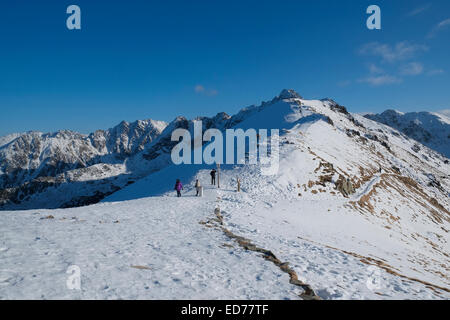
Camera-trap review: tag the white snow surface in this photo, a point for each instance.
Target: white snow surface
(4, 140)
(179, 258)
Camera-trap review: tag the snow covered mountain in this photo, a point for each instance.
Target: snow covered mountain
(430, 129)
(34, 163)
(356, 211)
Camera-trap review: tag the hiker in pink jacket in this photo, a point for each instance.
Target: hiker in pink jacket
(178, 187)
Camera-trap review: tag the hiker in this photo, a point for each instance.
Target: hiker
(198, 188)
(213, 176)
(178, 187)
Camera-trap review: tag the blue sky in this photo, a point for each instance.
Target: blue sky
(160, 59)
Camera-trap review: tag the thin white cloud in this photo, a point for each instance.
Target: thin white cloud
(344, 83)
(388, 53)
(377, 81)
(435, 72)
(419, 10)
(444, 23)
(440, 26)
(374, 69)
(200, 89)
(411, 69)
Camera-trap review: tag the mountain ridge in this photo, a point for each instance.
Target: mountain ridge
(429, 128)
(34, 164)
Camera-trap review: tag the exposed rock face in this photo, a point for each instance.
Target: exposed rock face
(345, 186)
(289, 94)
(34, 154)
(127, 138)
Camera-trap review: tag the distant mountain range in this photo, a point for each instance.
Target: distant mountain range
(430, 129)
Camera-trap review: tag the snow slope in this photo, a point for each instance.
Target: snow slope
(8, 138)
(153, 248)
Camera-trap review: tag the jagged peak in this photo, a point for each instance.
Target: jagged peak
(331, 101)
(222, 115)
(179, 118)
(64, 134)
(289, 94)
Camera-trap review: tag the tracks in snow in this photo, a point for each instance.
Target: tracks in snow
(383, 265)
(217, 221)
